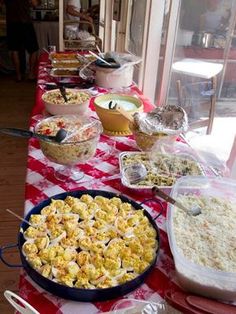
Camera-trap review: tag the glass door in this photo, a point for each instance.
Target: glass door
(201, 30)
(227, 88)
(134, 29)
(138, 33)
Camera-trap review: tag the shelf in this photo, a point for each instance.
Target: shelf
(45, 9)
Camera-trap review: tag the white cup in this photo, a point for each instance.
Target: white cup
(52, 48)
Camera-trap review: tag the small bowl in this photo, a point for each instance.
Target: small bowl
(78, 102)
(113, 122)
(78, 146)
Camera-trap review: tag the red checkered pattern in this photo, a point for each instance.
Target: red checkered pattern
(41, 184)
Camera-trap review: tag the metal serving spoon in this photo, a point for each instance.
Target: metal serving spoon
(194, 211)
(60, 136)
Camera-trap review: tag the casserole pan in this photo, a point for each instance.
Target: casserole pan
(80, 294)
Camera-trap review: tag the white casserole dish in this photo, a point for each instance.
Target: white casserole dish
(193, 277)
(78, 102)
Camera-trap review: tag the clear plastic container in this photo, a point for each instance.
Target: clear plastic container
(192, 276)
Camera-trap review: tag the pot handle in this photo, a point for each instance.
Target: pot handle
(157, 201)
(4, 248)
(25, 309)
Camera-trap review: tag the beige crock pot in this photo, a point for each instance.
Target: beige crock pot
(113, 76)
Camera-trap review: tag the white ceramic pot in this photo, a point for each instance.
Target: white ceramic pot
(114, 77)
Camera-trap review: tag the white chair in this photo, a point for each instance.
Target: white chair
(204, 70)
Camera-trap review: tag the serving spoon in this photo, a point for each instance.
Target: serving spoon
(60, 135)
(194, 211)
(63, 92)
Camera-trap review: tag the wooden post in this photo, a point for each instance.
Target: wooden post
(213, 106)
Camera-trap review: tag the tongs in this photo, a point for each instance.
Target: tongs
(59, 137)
(194, 211)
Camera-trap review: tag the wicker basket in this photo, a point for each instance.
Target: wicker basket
(81, 44)
(145, 141)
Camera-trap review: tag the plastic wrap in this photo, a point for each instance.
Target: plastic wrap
(211, 152)
(208, 162)
(78, 128)
(123, 59)
(80, 143)
(133, 306)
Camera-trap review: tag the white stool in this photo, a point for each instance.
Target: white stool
(204, 70)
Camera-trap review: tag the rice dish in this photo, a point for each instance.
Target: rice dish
(208, 239)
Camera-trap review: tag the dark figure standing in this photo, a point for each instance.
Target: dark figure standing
(21, 34)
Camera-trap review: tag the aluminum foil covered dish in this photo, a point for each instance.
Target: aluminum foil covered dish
(169, 119)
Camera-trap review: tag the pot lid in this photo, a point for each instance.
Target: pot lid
(114, 64)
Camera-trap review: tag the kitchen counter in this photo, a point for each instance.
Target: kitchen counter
(204, 53)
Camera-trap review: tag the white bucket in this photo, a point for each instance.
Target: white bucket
(114, 78)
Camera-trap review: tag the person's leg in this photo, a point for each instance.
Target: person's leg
(22, 56)
(31, 45)
(14, 46)
(33, 57)
(16, 62)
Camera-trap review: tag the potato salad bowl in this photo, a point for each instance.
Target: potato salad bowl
(79, 145)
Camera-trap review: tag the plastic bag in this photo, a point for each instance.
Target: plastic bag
(177, 159)
(209, 151)
(124, 59)
(133, 306)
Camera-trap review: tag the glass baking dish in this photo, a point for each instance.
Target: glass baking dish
(66, 64)
(206, 249)
(60, 56)
(64, 72)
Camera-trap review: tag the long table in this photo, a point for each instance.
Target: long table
(41, 184)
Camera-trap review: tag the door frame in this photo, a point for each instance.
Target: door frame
(148, 73)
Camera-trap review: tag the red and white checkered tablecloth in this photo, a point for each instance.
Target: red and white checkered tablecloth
(41, 184)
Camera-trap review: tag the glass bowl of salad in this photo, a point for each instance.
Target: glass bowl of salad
(79, 145)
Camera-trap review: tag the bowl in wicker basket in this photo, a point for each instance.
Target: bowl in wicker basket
(145, 141)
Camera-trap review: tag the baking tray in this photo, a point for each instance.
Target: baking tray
(67, 64)
(158, 172)
(58, 56)
(64, 72)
